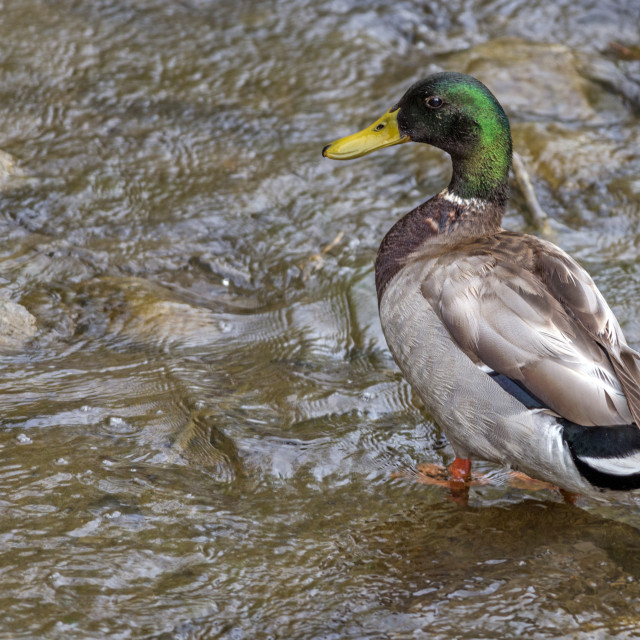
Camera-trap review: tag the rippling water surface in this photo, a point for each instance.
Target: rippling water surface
(203, 434)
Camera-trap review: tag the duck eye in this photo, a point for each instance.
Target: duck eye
(380, 127)
(434, 102)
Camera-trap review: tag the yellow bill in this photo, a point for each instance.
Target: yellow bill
(382, 133)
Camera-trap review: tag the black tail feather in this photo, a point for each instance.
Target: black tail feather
(608, 457)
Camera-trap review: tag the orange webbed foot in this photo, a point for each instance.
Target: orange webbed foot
(458, 478)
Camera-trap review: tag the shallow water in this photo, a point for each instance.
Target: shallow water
(206, 436)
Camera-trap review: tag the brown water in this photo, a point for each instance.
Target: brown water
(207, 437)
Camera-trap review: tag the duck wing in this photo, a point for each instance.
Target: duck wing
(573, 287)
(525, 309)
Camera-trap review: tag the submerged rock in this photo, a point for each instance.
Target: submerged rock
(145, 312)
(537, 80)
(569, 159)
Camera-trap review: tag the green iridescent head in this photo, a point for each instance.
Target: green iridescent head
(456, 113)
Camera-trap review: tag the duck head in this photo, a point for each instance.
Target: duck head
(451, 111)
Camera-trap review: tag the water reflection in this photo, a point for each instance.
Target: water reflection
(206, 436)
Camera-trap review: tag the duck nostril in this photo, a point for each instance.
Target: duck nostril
(379, 127)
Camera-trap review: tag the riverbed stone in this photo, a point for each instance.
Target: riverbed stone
(17, 325)
(539, 81)
(146, 312)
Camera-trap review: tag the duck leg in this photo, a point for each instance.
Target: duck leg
(569, 497)
(458, 473)
(460, 470)
(457, 476)
(459, 479)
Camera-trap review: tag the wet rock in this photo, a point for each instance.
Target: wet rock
(17, 326)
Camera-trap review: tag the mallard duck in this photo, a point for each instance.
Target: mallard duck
(505, 337)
